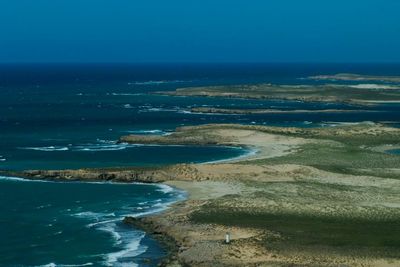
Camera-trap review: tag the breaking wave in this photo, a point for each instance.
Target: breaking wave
(101, 145)
(144, 132)
(128, 241)
(47, 148)
(157, 82)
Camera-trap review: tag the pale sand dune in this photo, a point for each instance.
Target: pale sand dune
(201, 244)
(233, 184)
(204, 190)
(266, 145)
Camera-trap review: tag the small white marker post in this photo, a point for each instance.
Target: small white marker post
(227, 238)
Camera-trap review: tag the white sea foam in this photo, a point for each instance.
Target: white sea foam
(43, 206)
(127, 94)
(156, 208)
(47, 148)
(160, 110)
(209, 113)
(103, 222)
(101, 147)
(165, 188)
(157, 82)
(128, 106)
(373, 86)
(248, 153)
(127, 240)
(52, 264)
(93, 215)
(111, 228)
(156, 131)
(335, 123)
(13, 178)
(131, 249)
(19, 179)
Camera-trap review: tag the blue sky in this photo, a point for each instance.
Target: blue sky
(199, 31)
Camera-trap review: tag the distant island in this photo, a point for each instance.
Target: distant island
(359, 94)
(297, 196)
(357, 77)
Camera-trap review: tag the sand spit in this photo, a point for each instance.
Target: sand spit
(265, 201)
(210, 110)
(357, 77)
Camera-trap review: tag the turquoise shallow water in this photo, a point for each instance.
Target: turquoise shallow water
(77, 224)
(394, 151)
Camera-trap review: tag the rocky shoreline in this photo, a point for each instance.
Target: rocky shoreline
(278, 179)
(360, 95)
(95, 175)
(210, 110)
(127, 175)
(157, 232)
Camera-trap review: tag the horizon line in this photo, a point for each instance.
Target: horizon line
(187, 62)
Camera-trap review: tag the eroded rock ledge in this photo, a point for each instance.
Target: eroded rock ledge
(332, 174)
(143, 175)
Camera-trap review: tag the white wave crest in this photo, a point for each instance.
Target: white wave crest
(248, 152)
(157, 82)
(9, 178)
(126, 94)
(165, 188)
(100, 147)
(19, 179)
(93, 215)
(111, 228)
(47, 148)
(160, 110)
(156, 131)
(52, 264)
(131, 249)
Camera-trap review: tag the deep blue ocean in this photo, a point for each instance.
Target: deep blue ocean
(70, 116)
(78, 224)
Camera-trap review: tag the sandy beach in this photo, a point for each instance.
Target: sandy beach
(290, 176)
(200, 133)
(202, 244)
